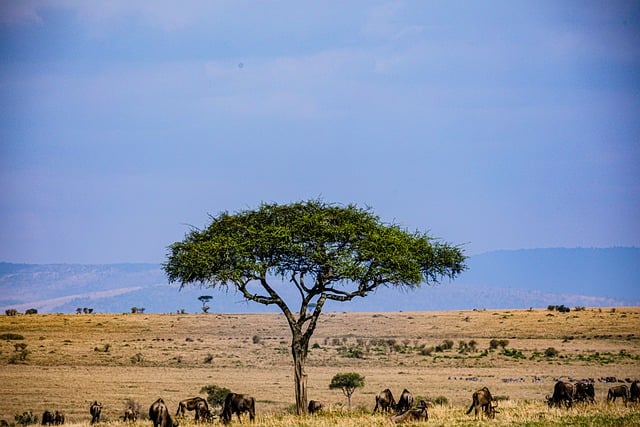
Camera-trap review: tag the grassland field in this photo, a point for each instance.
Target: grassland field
(64, 362)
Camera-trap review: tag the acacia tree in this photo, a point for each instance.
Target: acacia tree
(347, 382)
(323, 251)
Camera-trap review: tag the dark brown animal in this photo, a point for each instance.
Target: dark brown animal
(130, 414)
(419, 413)
(385, 401)
(95, 410)
(159, 414)
(237, 404)
(405, 402)
(58, 418)
(584, 392)
(48, 418)
(562, 393)
(634, 394)
(314, 406)
(202, 411)
(197, 404)
(4, 423)
(618, 391)
(483, 402)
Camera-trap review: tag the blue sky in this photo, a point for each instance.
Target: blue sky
(498, 125)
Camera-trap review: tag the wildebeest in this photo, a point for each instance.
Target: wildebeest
(405, 402)
(618, 391)
(95, 410)
(314, 406)
(584, 392)
(237, 404)
(58, 418)
(483, 402)
(634, 394)
(385, 401)
(418, 413)
(202, 411)
(562, 393)
(130, 414)
(159, 414)
(48, 418)
(197, 404)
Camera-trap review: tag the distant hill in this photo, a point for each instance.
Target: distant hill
(501, 279)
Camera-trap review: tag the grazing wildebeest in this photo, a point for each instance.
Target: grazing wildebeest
(584, 392)
(405, 402)
(385, 401)
(130, 414)
(58, 418)
(618, 391)
(95, 410)
(193, 404)
(159, 414)
(418, 413)
(634, 394)
(562, 393)
(202, 411)
(237, 404)
(48, 418)
(483, 402)
(314, 406)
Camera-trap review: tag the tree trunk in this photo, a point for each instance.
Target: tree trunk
(300, 377)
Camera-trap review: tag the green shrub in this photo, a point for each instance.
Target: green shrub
(551, 352)
(215, 394)
(440, 400)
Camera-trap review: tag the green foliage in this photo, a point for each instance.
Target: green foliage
(215, 394)
(348, 382)
(517, 354)
(330, 242)
(440, 400)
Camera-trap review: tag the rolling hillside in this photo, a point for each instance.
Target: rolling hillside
(502, 279)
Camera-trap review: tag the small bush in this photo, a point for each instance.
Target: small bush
(440, 400)
(137, 358)
(11, 312)
(215, 394)
(256, 339)
(551, 352)
(208, 358)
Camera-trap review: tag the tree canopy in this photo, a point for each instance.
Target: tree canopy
(347, 382)
(324, 251)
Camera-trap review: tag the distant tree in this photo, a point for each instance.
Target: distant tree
(324, 251)
(204, 299)
(348, 383)
(134, 310)
(11, 312)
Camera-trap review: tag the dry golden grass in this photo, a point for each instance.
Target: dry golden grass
(76, 359)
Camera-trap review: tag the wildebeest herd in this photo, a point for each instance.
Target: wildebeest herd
(565, 394)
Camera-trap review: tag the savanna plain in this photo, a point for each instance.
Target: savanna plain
(64, 362)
